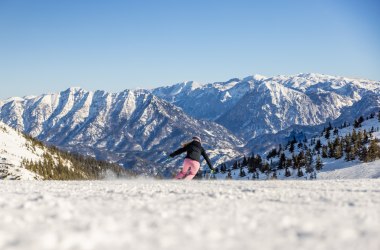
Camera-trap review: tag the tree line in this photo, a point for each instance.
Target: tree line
(56, 164)
(305, 157)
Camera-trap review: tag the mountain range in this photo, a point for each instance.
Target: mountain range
(258, 105)
(137, 128)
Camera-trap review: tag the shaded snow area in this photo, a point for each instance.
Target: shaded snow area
(143, 214)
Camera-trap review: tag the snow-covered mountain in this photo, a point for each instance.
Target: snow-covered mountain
(137, 127)
(24, 158)
(348, 151)
(259, 105)
(133, 128)
(207, 101)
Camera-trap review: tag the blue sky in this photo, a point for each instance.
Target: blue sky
(50, 45)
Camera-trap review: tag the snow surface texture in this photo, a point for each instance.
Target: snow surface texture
(144, 214)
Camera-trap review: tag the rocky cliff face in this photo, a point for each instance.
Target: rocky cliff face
(134, 128)
(259, 105)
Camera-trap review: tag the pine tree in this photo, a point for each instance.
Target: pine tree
(338, 151)
(318, 163)
(251, 165)
(318, 146)
(301, 159)
(327, 134)
(229, 176)
(336, 131)
(287, 172)
(295, 162)
(365, 137)
(309, 162)
(373, 150)
(281, 162)
(245, 161)
(265, 167)
(274, 175)
(291, 148)
(309, 169)
(288, 163)
(363, 153)
(272, 153)
(299, 172)
(280, 150)
(235, 165)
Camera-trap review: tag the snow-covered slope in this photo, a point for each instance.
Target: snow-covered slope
(359, 142)
(134, 128)
(334, 170)
(24, 158)
(14, 148)
(355, 169)
(207, 215)
(257, 105)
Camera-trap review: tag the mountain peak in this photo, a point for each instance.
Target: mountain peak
(259, 77)
(74, 89)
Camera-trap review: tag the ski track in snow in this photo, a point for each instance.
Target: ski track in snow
(147, 214)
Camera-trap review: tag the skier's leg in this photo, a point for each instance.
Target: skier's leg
(193, 170)
(185, 168)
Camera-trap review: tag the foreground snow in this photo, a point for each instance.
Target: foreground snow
(143, 214)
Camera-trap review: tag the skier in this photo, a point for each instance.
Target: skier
(194, 151)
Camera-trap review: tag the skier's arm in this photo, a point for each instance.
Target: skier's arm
(178, 151)
(205, 156)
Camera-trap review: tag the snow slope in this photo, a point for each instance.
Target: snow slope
(341, 169)
(192, 215)
(19, 154)
(358, 171)
(332, 168)
(14, 147)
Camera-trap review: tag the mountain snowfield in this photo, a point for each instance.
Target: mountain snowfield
(138, 128)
